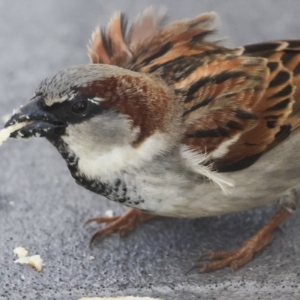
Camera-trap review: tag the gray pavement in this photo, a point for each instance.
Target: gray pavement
(42, 208)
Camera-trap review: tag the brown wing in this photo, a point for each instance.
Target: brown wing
(269, 100)
(238, 102)
(277, 110)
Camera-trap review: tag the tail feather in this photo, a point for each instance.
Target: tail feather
(147, 40)
(145, 27)
(109, 46)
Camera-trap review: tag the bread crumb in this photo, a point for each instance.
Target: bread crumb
(20, 252)
(22, 277)
(5, 132)
(119, 298)
(35, 261)
(109, 213)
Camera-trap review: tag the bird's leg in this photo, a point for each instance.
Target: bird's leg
(257, 242)
(123, 223)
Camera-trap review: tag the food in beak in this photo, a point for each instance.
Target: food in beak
(6, 132)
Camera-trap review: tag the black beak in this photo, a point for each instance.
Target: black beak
(40, 123)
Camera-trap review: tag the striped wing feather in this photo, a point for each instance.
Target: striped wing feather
(238, 102)
(277, 110)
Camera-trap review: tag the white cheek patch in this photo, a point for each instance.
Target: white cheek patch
(110, 162)
(104, 165)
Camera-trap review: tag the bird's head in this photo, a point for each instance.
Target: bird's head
(104, 115)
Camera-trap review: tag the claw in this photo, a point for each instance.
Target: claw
(197, 265)
(239, 257)
(205, 256)
(123, 224)
(94, 237)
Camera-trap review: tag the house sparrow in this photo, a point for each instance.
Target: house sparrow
(170, 122)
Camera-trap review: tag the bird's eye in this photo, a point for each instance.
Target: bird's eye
(79, 107)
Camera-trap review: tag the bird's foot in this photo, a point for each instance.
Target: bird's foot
(241, 256)
(123, 223)
(235, 258)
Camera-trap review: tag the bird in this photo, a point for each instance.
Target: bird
(169, 121)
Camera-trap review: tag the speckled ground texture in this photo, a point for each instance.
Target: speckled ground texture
(38, 38)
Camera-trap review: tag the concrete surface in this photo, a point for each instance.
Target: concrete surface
(42, 209)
